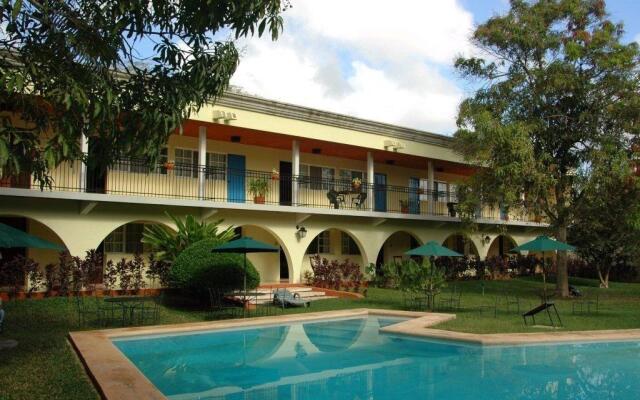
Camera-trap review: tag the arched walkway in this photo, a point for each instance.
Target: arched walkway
(36, 228)
(273, 267)
(394, 247)
(462, 244)
(501, 245)
(335, 244)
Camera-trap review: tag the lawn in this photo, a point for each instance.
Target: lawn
(44, 365)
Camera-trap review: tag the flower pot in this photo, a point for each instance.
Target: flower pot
(258, 199)
(275, 177)
(169, 166)
(356, 186)
(404, 210)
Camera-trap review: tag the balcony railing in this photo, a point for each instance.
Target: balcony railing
(186, 181)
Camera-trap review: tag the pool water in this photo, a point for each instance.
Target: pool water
(350, 359)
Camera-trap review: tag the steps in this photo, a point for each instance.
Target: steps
(307, 293)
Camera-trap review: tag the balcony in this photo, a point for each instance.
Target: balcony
(130, 177)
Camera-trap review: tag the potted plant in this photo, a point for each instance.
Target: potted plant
(404, 206)
(258, 188)
(275, 175)
(356, 183)
(169, 165)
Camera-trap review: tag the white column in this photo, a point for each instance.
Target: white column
(295, 171)
(370, 180)
(84, 149)
(430, 183)
(202, 159)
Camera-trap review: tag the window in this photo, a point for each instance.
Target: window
(453, 193)
(321, 244)
(186, 163)
(349, 246)
(346, 176)
(216, 166)
(125, 239)
(305, 175)
(321, 178)
(141, 165)
(440, 191)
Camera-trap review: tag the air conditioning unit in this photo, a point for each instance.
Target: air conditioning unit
(217, 114)
(392, 145)
(230, 116)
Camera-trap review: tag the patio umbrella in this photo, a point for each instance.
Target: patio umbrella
(542, 244)
(433, 249)
(11, 237)
(245, 245)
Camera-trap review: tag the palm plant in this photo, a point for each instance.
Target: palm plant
(166, 244)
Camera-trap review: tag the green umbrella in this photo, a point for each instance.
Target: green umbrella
(11, 237)
(542, 244)
(245, 245)
(433, 249)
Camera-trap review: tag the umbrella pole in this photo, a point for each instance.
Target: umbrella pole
(244, 300)
(544, 279)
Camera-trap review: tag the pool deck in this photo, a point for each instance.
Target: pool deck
(116, 377)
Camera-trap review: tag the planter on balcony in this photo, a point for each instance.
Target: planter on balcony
(258, 199)
(169, 165)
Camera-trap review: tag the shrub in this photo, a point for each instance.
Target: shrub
(197, 268)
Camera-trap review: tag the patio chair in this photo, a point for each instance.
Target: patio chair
(149, 310)
(84, 310)
(451, 302)
(546, 306)
(490, 306)
(107, 311)
(334, 198)
(511, 300)
(359, 200)
(585, 302)
(217, 305)
(285, 298)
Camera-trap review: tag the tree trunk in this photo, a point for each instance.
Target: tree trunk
(562, 275)
(604, 279)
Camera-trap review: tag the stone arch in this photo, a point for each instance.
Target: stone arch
(336, 250)
(395, 244)
(500, 245)
(102, 231)
(37, 228)
(262, 233)
(461, 243)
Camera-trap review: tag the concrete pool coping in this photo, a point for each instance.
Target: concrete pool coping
(116, 377)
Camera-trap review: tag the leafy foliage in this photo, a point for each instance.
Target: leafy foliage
(410, 276)
(79, 67)
(197, 268)
(606, 229)
(334, 274)
(167, 244)
(558, 86)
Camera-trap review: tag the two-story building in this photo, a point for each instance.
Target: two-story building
(305, 180)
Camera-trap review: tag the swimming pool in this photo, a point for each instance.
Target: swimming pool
(350, 359)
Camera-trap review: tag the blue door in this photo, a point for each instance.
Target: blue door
(235, 178)
(380, 188)
(414, 197)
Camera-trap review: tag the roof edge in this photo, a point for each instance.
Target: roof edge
(292, 111)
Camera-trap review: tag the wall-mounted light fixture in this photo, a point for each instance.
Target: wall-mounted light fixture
(486, 240)
(301, 231)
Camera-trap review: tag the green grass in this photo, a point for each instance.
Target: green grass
(44, 366)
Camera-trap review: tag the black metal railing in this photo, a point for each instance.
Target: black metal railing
(188, 181)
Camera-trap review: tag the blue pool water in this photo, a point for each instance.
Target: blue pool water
(350, 359)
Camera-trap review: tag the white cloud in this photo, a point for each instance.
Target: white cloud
(365, 58)
(637, 38)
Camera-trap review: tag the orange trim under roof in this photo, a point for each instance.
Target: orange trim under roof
(253, 137)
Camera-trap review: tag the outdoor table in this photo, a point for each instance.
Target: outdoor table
(128, 304)
(352, 193)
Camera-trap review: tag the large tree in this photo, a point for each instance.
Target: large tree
(606, 227)
(124, 73)
(556, 86)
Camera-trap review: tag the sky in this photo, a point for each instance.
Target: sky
(384, 61)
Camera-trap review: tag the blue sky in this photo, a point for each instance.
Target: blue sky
(371, 60)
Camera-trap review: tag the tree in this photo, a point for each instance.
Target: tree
(123, 73)
(606, 229)
(168, 244)
(558, 86)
